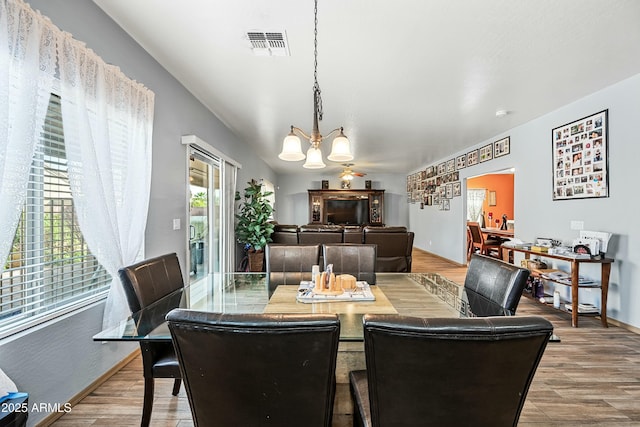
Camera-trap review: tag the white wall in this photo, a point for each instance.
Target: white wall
(537, 215)
(292, 198)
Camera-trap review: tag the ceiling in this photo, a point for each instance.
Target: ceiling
(411, 82)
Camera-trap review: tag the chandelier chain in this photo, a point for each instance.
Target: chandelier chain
(316, 86)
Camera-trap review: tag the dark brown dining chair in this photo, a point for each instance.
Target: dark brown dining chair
(257, 369)
(446, 372)
(290, 264)
(489, 247)
(145, 283)
(494, 287)
(358, 260)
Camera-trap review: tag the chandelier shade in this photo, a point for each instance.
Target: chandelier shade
(314, 159)
(291, 148)
(341, 147)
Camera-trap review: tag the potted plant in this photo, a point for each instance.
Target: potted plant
(253, 228)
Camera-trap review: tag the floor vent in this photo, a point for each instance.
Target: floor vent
(268, 43)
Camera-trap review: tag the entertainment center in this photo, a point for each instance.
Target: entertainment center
(346, 207)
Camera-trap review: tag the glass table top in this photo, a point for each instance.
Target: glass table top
(410, 294)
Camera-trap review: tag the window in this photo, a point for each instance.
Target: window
(50, 269)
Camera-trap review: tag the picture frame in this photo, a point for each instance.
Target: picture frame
(486, 153)
(451, 165)
(501, 147)
(492, 198)
(449, 190)
(472, 158)
(461, 162)
(442, 168)
(457, 189)
(580, 158)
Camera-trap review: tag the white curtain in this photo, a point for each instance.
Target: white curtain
(27, 75)
(230, 174)
(475, 198)
(108, 122)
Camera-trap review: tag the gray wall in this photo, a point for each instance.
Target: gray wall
(57, 360)
(292, 199)
(537, 215)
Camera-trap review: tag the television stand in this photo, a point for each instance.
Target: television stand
(346, 207)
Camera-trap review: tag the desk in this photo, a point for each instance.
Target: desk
(605, 270)
(491, 231)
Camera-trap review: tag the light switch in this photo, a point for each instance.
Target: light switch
(176, 224)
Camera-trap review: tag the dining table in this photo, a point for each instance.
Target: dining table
(498, 232)
(408, 294)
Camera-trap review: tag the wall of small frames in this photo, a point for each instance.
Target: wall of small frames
(438, 184)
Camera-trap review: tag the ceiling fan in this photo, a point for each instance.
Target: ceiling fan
(348, 174)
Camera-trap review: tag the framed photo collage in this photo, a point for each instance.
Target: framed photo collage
(580, 158)
(438, 184)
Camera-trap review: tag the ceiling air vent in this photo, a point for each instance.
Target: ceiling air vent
(268, 43)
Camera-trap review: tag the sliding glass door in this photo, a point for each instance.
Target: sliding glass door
(204, 215)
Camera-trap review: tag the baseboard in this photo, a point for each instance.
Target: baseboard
(622, 325)
(51, 418)
(438, 256)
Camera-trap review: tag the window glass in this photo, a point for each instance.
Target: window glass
(50, 269)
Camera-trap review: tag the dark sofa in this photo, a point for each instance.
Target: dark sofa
(394, 244)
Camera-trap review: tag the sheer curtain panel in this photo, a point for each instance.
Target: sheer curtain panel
(108, 145)
(27, 76)
(475, 199)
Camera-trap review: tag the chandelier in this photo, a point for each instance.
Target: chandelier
(291, 148)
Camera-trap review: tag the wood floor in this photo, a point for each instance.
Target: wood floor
(590, 378)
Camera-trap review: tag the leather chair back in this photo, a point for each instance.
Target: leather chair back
(357, 260)
(312, 234)
(149, 280)
(145, 283)
(447, 372)
(395, 245)
(352, 234)
(289, 264)
(285, 234)
(257, 369)
(494, 280)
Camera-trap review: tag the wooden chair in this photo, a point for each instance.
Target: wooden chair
(145, 283)
(489, 247)
(257, 369)
(446, 372)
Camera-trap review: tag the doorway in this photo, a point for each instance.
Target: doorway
(490, 198)
(490, 202)
(204, 215)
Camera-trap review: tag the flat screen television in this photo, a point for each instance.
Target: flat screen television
(347, 212)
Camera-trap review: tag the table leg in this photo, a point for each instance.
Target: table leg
(575, 274)
(604, 289)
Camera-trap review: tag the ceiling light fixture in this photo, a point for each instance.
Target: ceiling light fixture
(291, 149)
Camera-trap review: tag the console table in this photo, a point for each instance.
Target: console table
(605, 270)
